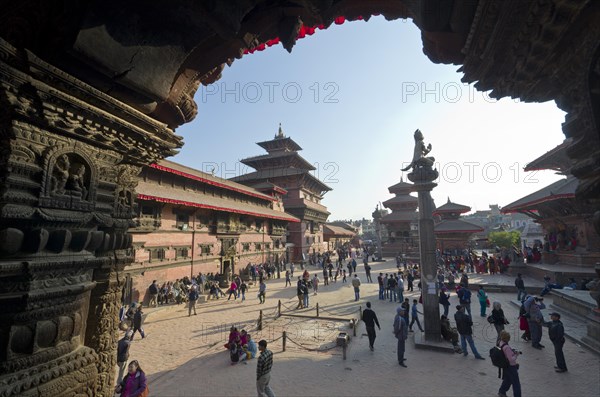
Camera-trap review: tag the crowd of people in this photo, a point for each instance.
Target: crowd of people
(452, 275)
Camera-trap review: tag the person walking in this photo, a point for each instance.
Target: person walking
(123, 354)
(263, 370)
(464, 325)
(410, 279)
(415, 316)
(232, 290)
(137, 323)
(288, 279)
(300, 293)
(315, 281)
(556, 332)
(153, 291)
(243, 289)
(483, 300)
(368, 272)
(356, 285)
(498, 319)
(192, 298)
(520, 284)
(401, 333)
(510, 375)
(262, 290)
(370, 319)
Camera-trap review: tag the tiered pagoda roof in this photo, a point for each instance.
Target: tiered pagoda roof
(451, 210)
(283, 166)
(450, 220)
(282, 160)
(403, 205)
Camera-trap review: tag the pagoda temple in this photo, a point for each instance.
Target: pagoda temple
(570, 239)
(452, 234)
(401, 223)
(284, 167)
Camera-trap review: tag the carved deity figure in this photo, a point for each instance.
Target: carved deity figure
(77, 180)
(60, 175)
(420, 152)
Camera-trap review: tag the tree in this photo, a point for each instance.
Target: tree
(505, 239)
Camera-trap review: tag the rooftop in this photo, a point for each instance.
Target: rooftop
(452, 207)
(564, 188)
(456, 225)
(193, 174)
(164, 194)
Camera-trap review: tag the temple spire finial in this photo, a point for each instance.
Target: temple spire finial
(280, 132)
(449, 200)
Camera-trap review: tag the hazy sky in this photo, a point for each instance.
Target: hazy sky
(352, 96)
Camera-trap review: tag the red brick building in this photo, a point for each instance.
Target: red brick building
(189, 222)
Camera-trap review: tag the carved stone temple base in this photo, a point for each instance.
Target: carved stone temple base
(69, 160)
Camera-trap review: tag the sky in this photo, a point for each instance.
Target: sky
(352, 96)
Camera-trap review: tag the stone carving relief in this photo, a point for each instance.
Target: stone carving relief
(69, 181)
(127, 181)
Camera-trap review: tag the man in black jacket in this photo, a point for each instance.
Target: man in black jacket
(123, 354)
(557, 336)
(464, 325)
(370, 319)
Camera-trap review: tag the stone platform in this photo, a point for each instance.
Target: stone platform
(576, 302)
(560, 272)
(442, 346)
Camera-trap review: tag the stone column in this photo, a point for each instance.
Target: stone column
(69, 160)
(423, 176)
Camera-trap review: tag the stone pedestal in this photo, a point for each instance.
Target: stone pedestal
(422, 178)
(593, 330)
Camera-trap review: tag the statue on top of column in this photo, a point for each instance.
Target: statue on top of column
(420, 152)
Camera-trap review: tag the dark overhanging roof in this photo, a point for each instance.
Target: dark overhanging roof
(555, 159)
(564, 188)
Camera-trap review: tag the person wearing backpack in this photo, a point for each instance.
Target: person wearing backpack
(510, 368)
(464, 298)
